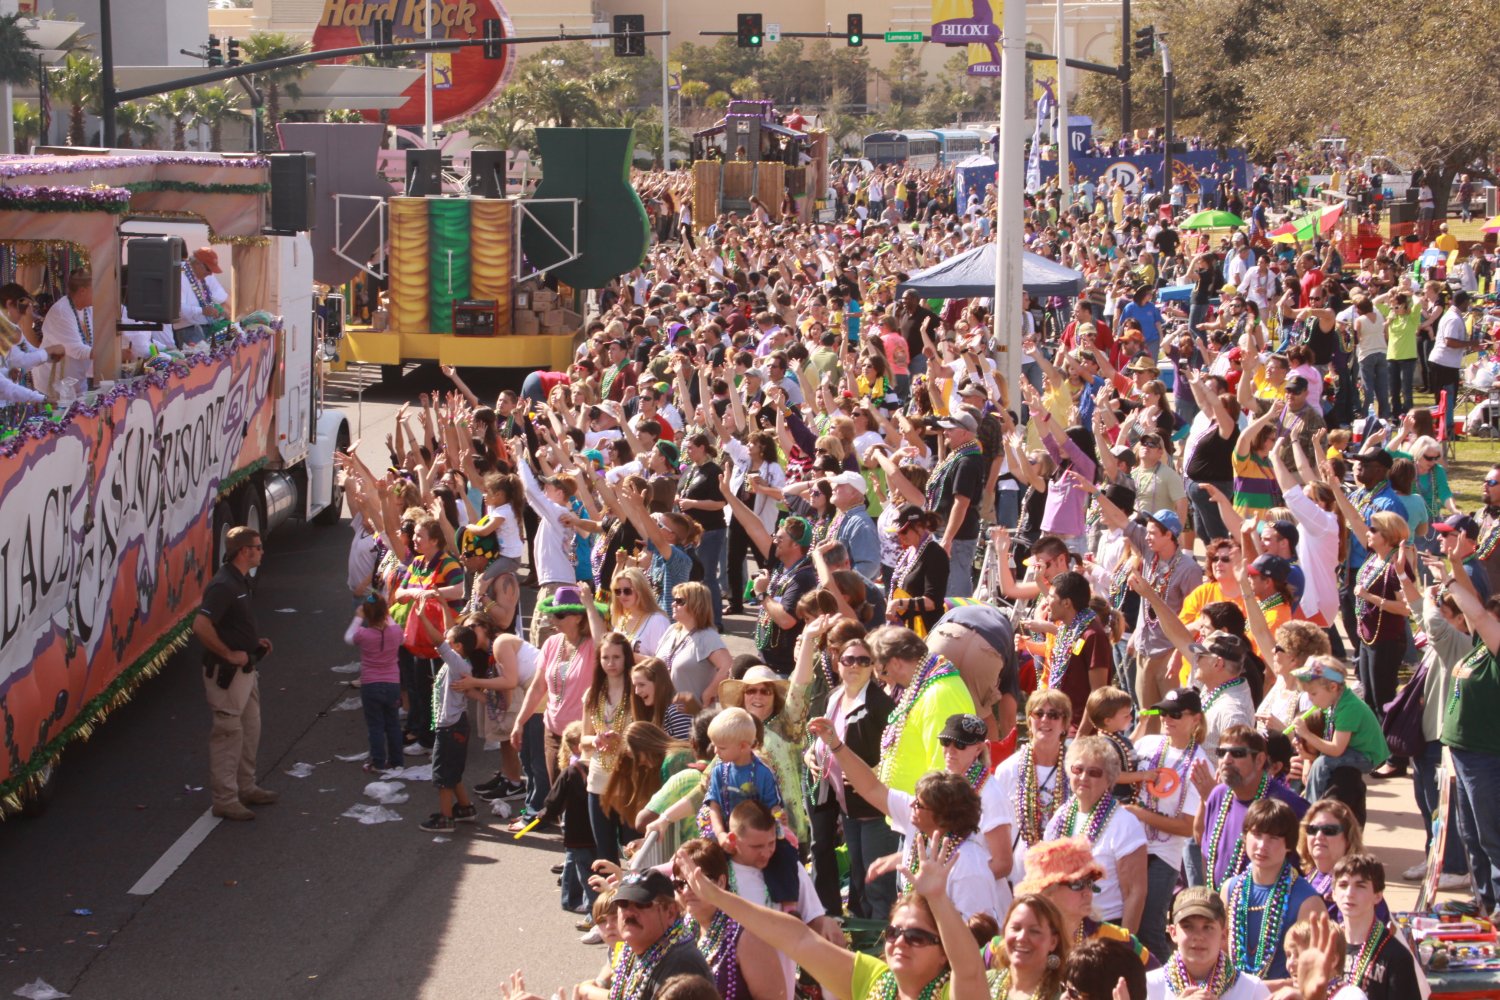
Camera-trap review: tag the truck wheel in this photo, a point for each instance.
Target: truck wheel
(329, 516)
(251, 508)
(223, 521)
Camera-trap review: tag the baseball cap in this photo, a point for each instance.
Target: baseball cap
(958, 420)
(1181, 700)
(1458, 522)
(1287, 530)
(1275, 567)
(1167, 520)
(851, 479)
(964, 729)
(643, 888)
(1296, 383)
(1198, 901)
(1375, 455)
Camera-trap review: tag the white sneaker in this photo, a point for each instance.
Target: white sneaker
(1416, 872)
(414, 750)
(1453, 883)
(592, 937)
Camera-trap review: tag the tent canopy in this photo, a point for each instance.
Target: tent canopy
(971, 275)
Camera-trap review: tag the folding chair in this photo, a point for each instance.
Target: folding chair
(1440, 424)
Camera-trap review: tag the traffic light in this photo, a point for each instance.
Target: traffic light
(855, 34)
(1145, 42)
(215, 53)
(385, 32)
(234, 52)
(631, 26)
(750, 33)
(492, 35)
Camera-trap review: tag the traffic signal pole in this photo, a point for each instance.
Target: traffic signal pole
(1124, 67)
(1166, 161)
(107, 96)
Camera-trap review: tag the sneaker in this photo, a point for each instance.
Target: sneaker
(512, 788)
(504, 790)
(495, 782)
(414, 750)
(1453, 883)
(1415, 873)
(586, 924)
(370, 768)
(465, 814)
(592, 937)
(437, 823)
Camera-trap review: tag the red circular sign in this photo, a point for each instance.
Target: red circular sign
(463, 79)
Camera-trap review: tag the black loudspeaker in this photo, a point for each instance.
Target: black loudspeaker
(1401, 212)
(153, 280)
(424, 172)
(294, 184)
(487, 173)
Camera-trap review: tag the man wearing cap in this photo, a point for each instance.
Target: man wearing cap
(852, 524)
(203, 298)
(1268, 580)
(658, 941)
(956, 487)
(779, 590)
(1457, 535)
(1200, 968)
(1245, 777)
(1157, 485)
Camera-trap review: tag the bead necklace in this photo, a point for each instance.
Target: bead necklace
(1359, 974)
(720, 946)
(610, 723)
(1276, 600)
(1328, 723)
(1032, 812)
(1218, 983)
(632, 984)
(200, 289)
(1366, 581)
(765, 628)
(1489, 541)
(1065, 823)
(1237, 856)
(1000, 984)
(886, 988)
(933, 670)
(1257, 960)
(85, 324)
(1066, 643)
(1118, 583)
(976, 773)
(609, 378)
(937, 482)
(909, 558)
(912, 862)
(1157, 578)
(1218, 692)
(1183, 767)
(557, 676)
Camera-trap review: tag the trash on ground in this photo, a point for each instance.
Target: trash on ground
(387, 793)
(351, 758)
(39, 990)
(500, 808)
(301, 769)
(421, 772)
(369, 815)
(346, 668)
(349, 704)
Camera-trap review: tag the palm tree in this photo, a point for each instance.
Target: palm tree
(346, 115)
(262, 46)
(76, 83)
(28, 124)
(18, 53)
(176, 107)
(746, 88)
(132, 118)
(693, 90)
(502, 123)
(210, 107)
(550, 98)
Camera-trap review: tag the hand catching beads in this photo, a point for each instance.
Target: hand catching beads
(935, 859)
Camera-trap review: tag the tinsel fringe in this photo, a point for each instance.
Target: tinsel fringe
(232, 482)
(28, 781)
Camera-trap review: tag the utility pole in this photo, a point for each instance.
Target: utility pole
(106, 75)
(1166, 160)
(1065, 136)
(1125, 38)
(1010, 188)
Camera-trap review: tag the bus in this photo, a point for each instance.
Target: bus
(957, 144)
(912, 148)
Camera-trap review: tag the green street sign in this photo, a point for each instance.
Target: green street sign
(903, 36)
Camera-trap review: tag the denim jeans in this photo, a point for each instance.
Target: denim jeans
(1196, 315)
(1161, 881)
(416, 677)
(1403, 377)
(1424, 775)
(1207, 520)
(961, 568)
(1008, 508)
(1375, 381)
(609, 832)
(870, 840)
(578, 864)
(1479, 818)
(534, 763)
(382, 704)
(1192, 863)
(1319, 774)
(712, 553)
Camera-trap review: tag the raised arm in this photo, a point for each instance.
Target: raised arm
(1171, 625)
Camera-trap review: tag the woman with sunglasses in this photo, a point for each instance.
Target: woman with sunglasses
(692, 648)
(928, 951)
(1329, 832)
(633, 610)
(1117, 838)
(1268, 897)
(1065, 874)
(744, 966)
(857, 711)
(1029, 956)
(1032, 778)
(920, 579)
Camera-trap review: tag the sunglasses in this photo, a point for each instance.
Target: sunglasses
(856, 661)
(1172, 713)
(1431, 458)
(763, 691)
(911, 935)
(1083, 885)
(679, 884)
(1078, 771)
(1224, 559)
(1326, 829)
(1492, 482)
(624, 591)
(1238, 753)
(1049, 714)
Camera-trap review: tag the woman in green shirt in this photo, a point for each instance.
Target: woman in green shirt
(1401, 322)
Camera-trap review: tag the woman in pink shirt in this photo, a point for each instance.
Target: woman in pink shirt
(562, 677)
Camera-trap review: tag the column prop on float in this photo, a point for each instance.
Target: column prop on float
(408, 265)
(491, 267)
(448, 220)
(1010, 181)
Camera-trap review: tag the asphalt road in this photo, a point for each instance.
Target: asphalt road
(301, 902)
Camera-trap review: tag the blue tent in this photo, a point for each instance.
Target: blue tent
(970, 178)
(971, 275)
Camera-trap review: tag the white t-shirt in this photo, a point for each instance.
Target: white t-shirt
(751, 885)
(1246, 987)
(1317, 554)
(1165, 846)
(1232, 708)
(1370, 330)
(509, 532)
(1450, 327)
(1051, 787)
(970, 884)
(554, 542)
(1122, 836)
(995, 810)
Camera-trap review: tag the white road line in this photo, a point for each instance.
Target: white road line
(156, 876)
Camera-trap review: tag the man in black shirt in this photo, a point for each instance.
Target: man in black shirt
(658, 943)
(915, 318)
(954, 491)
(225, 626)
(777, 627)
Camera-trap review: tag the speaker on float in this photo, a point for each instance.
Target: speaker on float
(424, 172)
(153, 279)
(487, 173)
(294, 184)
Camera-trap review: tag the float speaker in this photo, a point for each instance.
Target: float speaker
(294, 182)
(424, 172)
(487, 173)
(153, 281)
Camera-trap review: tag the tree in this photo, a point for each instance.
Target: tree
(211, 105)
(76, 84)
(746, 88)
(553, 99)
(18, 53)
(176, 107)
(502, 123)
(263, 46)
(28, 124)
(718, 100)
(693, 91)
(131, 119)
(906, 77)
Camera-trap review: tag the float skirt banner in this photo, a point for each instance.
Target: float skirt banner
(106, 539)
(961, 22)
(1128, 169)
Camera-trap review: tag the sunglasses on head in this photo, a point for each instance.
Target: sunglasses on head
(1238, 753)
(1047, 713)
(911, 935)
(1326, 829)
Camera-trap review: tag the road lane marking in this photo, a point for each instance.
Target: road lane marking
(156, 876)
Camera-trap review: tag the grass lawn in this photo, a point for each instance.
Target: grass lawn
(1473, 457)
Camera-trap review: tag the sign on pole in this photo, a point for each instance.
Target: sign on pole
(773, 32)
(903, 36)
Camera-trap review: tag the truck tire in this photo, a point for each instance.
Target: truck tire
(330, 515)
(223, 520)
(250, 508)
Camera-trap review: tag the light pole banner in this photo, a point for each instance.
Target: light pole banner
(963, 22)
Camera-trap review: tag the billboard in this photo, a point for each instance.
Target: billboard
(1130, 169)
(963, 22)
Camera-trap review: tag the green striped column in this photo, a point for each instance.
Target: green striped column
(449, 255)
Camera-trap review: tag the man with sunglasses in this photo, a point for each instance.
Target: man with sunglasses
(1487, 547)
(658, 943)
(1245, 778)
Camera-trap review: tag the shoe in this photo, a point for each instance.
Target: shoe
(1415, 873)
(735, 609)
(557, 869)
(260, 797)
(465, 814)
(414, 750)
(505, 790)
(593, 937)
(1387, 771)
(235, 812)
(1453, 883)
(437, 823)
(493, 783)
(370, 768)
(586, 924)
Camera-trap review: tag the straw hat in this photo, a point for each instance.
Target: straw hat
(1053, 862)
(732, 692)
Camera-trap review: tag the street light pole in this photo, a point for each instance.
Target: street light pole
(107, 75)
(427, 72)
(1064, 134)
(1010, 187)
(1166, 160)
(666, 117)
(1125, 42)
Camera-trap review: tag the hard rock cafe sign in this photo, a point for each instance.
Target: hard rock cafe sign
(463, 79)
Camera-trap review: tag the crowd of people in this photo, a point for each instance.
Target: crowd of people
(1073, 685)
